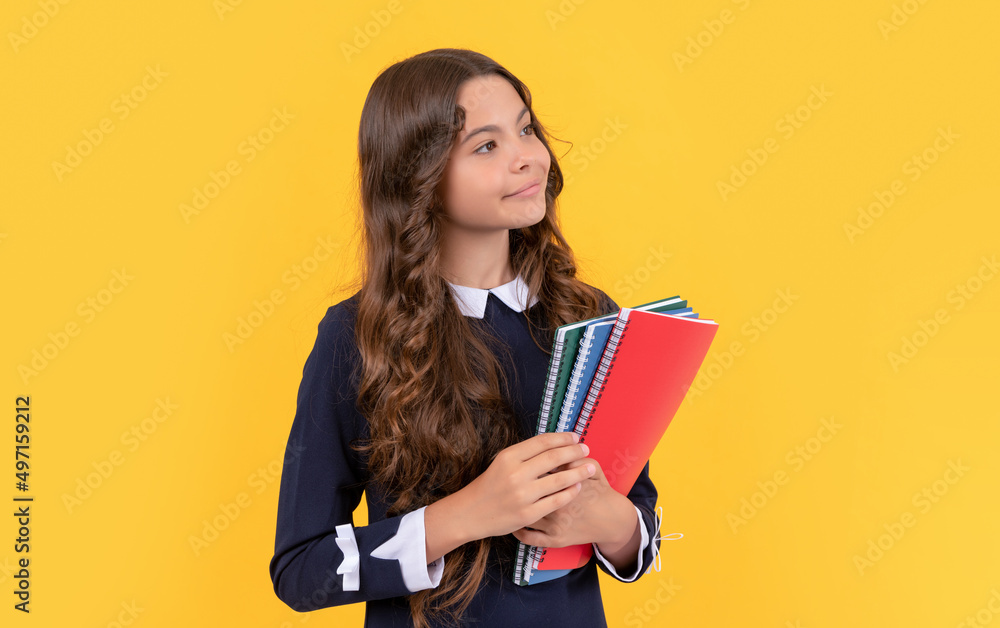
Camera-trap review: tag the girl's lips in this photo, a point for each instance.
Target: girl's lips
(528, 191)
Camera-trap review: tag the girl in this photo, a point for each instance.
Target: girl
(423, 389)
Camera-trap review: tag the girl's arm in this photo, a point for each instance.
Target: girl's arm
(621, 528)
(320, 558)
(520, 486)
(628, 563)
(623, 554)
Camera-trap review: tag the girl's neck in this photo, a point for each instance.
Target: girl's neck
(477, 259)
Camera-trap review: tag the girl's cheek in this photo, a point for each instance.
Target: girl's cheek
(543, 157)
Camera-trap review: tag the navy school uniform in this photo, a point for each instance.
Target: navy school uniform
(322, 559)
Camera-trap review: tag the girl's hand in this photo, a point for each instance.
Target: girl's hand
(523, 484)
(598, 514)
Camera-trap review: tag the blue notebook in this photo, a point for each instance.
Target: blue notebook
(587, 358)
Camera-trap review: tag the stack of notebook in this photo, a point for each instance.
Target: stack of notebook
(617, 381)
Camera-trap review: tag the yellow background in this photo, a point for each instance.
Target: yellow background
(653, 134)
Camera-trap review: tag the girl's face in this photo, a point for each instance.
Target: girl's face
(497, 170)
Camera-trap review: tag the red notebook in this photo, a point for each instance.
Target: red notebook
(646, 369)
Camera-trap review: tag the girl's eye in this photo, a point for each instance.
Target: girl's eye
(531, 131)
(480, 149)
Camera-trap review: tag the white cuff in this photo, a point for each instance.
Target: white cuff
(642, 547)
(409, 547)
(351, 565)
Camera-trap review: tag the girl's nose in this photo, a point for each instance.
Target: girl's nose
(523, 157)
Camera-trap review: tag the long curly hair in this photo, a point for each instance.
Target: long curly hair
(429, 385)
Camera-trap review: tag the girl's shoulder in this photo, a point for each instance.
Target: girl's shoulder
(608, 305)
(336, 328)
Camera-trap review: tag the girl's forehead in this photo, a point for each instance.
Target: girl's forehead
(488, 94)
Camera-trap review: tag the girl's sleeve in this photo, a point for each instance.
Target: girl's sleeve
(321, 558)
(643, 497)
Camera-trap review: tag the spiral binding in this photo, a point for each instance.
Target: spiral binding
(604, 372)
(545, 410)
(573, 389)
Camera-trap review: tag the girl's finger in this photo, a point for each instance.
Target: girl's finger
(598, 471)
(528, 449)
(531, 537)
(555, 501)
(555, 482)
(554, 458)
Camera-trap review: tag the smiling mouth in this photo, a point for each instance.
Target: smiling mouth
(531, 190)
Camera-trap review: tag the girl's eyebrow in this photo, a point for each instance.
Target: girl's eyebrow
(491, 128)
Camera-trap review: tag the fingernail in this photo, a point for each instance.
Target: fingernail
(576, 437)
(591, 469)
(586, 450)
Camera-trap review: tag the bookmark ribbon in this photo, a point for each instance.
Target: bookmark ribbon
(670, 537)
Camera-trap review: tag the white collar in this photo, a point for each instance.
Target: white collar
(472, 301)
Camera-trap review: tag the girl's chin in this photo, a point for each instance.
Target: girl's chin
(532, 219)
(536, 212)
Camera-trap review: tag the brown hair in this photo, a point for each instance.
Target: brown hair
(429, 384)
